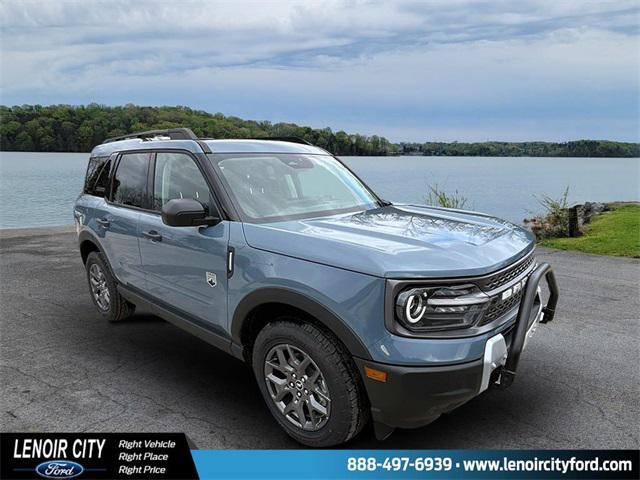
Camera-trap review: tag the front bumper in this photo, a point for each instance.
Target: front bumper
(415, 396)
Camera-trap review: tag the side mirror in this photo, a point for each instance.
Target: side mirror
(186, 212)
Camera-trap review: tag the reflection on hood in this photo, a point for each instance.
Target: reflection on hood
(399, 241)
(415, 225)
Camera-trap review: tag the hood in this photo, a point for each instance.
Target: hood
(399, 241)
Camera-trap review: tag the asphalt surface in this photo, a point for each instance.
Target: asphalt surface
(65, 369)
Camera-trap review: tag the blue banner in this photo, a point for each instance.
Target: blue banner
(450, 464)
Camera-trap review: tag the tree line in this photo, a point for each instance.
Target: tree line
(577, 148)
(66, 128)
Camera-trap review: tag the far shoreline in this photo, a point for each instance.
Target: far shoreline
(395, 155)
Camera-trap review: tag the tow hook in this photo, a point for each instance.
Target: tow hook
(502, 378)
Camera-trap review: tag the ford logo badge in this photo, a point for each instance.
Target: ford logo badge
(59, 469)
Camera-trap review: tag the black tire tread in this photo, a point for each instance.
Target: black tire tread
(336, 354)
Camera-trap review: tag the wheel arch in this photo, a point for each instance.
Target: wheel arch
(257, 309)
(88, 243)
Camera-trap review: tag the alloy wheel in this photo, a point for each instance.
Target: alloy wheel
(297, 387)
(99, 287)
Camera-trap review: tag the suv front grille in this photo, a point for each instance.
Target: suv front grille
(502, 278)
(497, 307)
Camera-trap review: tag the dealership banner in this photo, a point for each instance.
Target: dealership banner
(173, 456)
(445, 464)
(151, 456)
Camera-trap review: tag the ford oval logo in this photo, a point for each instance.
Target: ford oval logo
(59, 469)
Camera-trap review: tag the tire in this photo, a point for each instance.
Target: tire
(345, 401)
(104, 290)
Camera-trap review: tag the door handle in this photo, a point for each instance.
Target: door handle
(152, 235)
(104, 222)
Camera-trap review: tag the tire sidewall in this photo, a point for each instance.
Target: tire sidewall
(336, 430)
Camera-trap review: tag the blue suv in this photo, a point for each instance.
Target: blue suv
(347, 307)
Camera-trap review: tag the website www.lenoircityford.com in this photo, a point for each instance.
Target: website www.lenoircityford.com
(552, 464)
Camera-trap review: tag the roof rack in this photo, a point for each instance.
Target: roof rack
(286, 139)
(172, 133)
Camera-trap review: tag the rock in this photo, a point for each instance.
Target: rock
(587, 211)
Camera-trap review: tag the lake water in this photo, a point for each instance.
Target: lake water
(39, 189)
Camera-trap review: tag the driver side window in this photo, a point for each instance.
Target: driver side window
(178, 176)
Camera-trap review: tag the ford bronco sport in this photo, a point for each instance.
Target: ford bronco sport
(347, 307)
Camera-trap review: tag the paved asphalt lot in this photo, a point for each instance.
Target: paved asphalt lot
(65, 369)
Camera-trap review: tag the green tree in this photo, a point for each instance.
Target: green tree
(63, 128)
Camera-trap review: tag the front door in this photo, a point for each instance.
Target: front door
(185, 267)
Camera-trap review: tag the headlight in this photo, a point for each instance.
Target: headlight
(440, 308)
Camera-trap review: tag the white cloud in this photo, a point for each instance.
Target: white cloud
(422, 64)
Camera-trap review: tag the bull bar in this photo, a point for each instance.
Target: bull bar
(544, 270)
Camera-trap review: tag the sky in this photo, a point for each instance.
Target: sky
(408, 70)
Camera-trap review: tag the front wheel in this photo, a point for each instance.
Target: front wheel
(309, 383)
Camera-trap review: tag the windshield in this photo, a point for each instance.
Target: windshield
(270, 187)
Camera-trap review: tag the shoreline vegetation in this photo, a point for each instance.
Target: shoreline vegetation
(66, 128)
(615, 232)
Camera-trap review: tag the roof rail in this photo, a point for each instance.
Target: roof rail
(172, 133)
(286, 139)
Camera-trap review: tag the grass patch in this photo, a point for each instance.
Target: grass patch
(616, 232)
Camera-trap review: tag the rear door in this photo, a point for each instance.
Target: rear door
(185, 267)
(119, 221)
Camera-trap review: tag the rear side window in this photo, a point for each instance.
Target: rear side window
(130, 180)
(97, 177)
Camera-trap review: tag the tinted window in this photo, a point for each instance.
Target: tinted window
(178, 176)
(95, 169)
(130, 180)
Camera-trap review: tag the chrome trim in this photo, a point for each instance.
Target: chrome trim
(473, 299)
(495, 355)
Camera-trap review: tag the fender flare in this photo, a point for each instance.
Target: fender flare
(86, 235)
(89, 236)
(302, 302)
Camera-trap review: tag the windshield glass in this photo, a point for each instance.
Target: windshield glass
(270, 187)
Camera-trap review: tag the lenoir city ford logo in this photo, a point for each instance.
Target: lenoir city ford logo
(59, 469)
(56, 453)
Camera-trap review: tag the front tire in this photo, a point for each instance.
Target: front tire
(310, 383)
(104, 291)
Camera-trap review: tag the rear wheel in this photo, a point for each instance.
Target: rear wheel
(309, 383)
(104, 291)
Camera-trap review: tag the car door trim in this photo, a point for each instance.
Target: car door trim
(180, 319)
